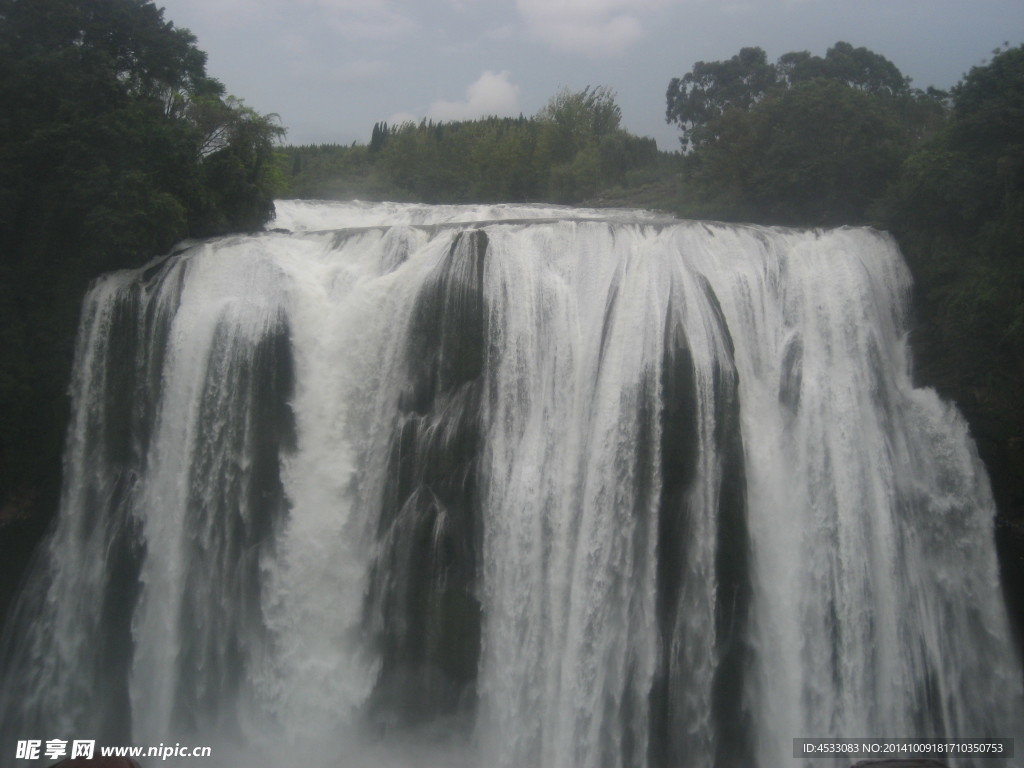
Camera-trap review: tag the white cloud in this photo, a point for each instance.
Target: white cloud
(492, 94)
(592, 27)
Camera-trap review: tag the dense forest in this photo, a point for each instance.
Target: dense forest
(572, 150)
(115, 143)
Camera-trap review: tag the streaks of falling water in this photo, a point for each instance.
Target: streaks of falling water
(511, 486)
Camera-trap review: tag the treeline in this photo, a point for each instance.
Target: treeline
(845, 139)
(114, 144)
(571, 150)
(957, 208)
(805, 140)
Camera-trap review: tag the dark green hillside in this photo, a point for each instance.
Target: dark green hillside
(114, 144)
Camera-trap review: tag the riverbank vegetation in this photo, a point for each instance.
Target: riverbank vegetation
(114, 144)
(571, 151)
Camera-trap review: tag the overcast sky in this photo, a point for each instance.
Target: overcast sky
(331, 68)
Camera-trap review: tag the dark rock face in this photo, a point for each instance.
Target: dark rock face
(421, 606)
(1001, 447)
(912, 763)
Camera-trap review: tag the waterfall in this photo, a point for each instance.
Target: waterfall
(516, 486)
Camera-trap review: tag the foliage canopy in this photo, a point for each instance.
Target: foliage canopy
(958, 210)
(114, 144)
(806, 140)
(569, 151)
(698, 100)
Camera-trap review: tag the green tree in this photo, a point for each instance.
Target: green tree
(621, 152)
(572, 126)
(582, 115)
(239, 172)
(572, 149)
(378, 137)
(807, 140)
(697, 101)
(818, 153)
(958, 209)
(858, 68)
(114, 143)
(699, 98)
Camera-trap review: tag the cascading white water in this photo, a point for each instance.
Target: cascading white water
(516, 486)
